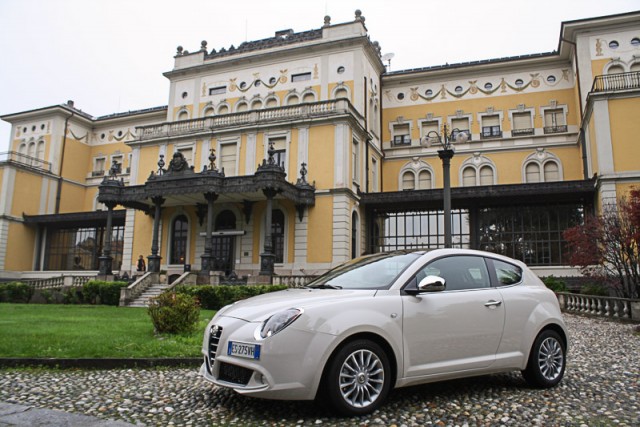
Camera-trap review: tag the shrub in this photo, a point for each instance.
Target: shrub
(595, 290)
(216, 297)
(15, 292)
(107, 292)
(555, 284)
(174, 313)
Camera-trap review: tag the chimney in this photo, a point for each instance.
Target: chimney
(70, 103)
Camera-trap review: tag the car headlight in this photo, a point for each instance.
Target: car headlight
(278, 322)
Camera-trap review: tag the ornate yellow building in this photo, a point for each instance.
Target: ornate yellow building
(292, 154)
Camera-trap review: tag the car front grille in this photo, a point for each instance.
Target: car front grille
(214, 339)
(235, 374)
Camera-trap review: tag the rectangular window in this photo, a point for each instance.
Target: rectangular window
(280, 156)
(491, 127)
(522, 124)
(228, 159)
(355, 155)
(118, 159)
(217, 90)
(80, 248)
(98, 166)
(459, 126)
(188, 154)
(401, 134)
(300, 77)
(554, 121)
(374, 174)
(427, 127)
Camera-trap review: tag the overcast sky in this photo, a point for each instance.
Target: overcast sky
(109, 55)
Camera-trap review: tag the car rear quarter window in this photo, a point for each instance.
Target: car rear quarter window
(507, 274)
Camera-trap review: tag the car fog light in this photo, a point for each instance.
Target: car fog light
(263, 379)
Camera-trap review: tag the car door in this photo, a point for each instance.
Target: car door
(456, 329)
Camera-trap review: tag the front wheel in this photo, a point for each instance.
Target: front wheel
(547, 360)
(358, 378)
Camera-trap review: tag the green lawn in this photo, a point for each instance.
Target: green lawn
(88, 331)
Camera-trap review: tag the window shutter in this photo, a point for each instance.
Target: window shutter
(522, 120)
(228, 159)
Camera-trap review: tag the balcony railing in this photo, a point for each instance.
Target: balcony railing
(555, 129)
(288, 113)
(613, 82)
(23, 159)
(491, 132)
(401, 140)
(521, 132)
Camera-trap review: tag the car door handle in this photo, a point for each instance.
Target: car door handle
(493, 303)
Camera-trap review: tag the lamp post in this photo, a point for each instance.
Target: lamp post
(446, 154)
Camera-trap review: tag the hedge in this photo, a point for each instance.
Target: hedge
(93, 292)
(15, 292)
(216, 297)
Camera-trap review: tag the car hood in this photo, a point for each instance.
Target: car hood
(261, 307)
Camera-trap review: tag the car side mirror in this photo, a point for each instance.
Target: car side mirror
(427, 284)
(432, 284)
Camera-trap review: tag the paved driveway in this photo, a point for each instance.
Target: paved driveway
(601, 387)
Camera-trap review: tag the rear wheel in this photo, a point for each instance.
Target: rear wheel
(358, 378)
(546, 361)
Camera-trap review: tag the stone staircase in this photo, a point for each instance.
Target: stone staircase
(151, 292)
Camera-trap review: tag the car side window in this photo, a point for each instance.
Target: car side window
(507, 274)
(459, 272)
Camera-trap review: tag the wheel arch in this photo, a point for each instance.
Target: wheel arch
(370, 336)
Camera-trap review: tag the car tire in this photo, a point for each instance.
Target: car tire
(358, 378)
(547, 360)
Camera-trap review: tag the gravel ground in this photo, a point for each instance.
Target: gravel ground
(601, 387)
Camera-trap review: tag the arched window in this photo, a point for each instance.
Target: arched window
(271, 102)
(354, 235)
(341, 93)
(22, 149)
(40, 150)
(532, 172)
(241, 106)
(308, 97)
(256, 104)
(179, 237)
(208, 112)
(408, 181)
(183, 115)
(424, 180)
(293, 100)
(635, 67)
(486, 175)
(468, 177)
(277, 235)
(32, 150)
(226, 220)
(551, 172)
(223, 109)
(615, 69)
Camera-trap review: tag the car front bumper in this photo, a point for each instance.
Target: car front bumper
(289, 368)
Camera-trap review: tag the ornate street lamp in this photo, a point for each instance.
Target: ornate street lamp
(446, 154)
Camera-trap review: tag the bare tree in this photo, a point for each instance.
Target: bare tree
(606, 247)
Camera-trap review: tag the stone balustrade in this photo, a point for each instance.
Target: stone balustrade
(64, 281)
(617, 308)
(134, 290)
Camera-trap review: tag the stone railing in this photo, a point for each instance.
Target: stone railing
(187, 278)
(58, 282)
(134, 290)
(292, 281)
(616, 308)
(305, 111)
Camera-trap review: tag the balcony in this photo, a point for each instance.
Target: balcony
(489, 132)
(24, 160)
(307, 111)
(616, 82)
(97, 173)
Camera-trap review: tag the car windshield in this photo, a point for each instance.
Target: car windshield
(370, 272)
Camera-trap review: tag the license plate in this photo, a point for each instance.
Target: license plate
(248, 351)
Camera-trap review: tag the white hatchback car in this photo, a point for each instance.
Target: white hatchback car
(389, 320)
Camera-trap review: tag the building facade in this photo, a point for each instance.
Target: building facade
(292, 154)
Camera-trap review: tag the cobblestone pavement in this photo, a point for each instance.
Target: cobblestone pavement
(601, 387)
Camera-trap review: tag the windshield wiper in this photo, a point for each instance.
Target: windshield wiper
(325, 286)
